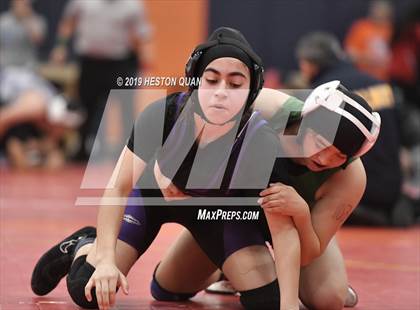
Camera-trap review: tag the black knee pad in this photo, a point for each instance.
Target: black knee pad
(78, 277)
(266, 297)
(161, 294)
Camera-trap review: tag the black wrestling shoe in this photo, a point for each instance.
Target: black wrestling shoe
(56, 262)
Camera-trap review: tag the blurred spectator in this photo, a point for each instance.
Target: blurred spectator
(21, 33)
(33, 118)
(405, 63)
(295, 80)
(322, 59)
(112, 39)
(273, 79)
(405, 72)
(368, 40)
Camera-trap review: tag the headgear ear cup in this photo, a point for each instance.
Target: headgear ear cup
(369, 143)
(191, 65)
(259, 75)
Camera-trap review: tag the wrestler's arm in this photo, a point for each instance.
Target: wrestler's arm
(129, 168)
(107, 277)
(285, 242)
(286, 248)
(145, 138)
(338, 197)
(269, 101)
(127, 171)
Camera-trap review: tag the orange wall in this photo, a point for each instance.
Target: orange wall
(178, 26)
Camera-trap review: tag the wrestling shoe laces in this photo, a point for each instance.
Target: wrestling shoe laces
(66, 245)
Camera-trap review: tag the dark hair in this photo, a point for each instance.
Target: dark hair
(320, 48)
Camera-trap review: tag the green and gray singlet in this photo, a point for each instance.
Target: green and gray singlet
(303, 180)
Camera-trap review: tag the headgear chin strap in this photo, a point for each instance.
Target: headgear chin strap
(330, 96)
(197, 109)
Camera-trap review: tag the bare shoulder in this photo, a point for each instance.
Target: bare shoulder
(348, 183)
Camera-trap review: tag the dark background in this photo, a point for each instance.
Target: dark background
(272, 26)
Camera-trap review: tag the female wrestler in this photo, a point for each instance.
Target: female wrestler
(215, 124)
(325, 188)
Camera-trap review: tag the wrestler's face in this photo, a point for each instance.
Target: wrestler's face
(325, 156)
(224, 89)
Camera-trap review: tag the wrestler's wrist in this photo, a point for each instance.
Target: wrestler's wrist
(302, 217)
(105, 259)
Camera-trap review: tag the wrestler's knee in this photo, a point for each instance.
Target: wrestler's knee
(326, 298)
(78, 277)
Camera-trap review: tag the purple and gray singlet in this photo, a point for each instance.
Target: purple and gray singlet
(239, 162)
(218, 239)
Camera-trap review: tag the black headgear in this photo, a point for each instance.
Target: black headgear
(227, 42)
(332, 104)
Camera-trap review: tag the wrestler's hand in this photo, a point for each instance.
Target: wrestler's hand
(106, 279)
(169, 191)
(284, 200)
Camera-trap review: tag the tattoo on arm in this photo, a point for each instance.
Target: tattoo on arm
(342, 212)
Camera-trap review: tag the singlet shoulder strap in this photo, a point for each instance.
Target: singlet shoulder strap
(240, 146)
(173, 108)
